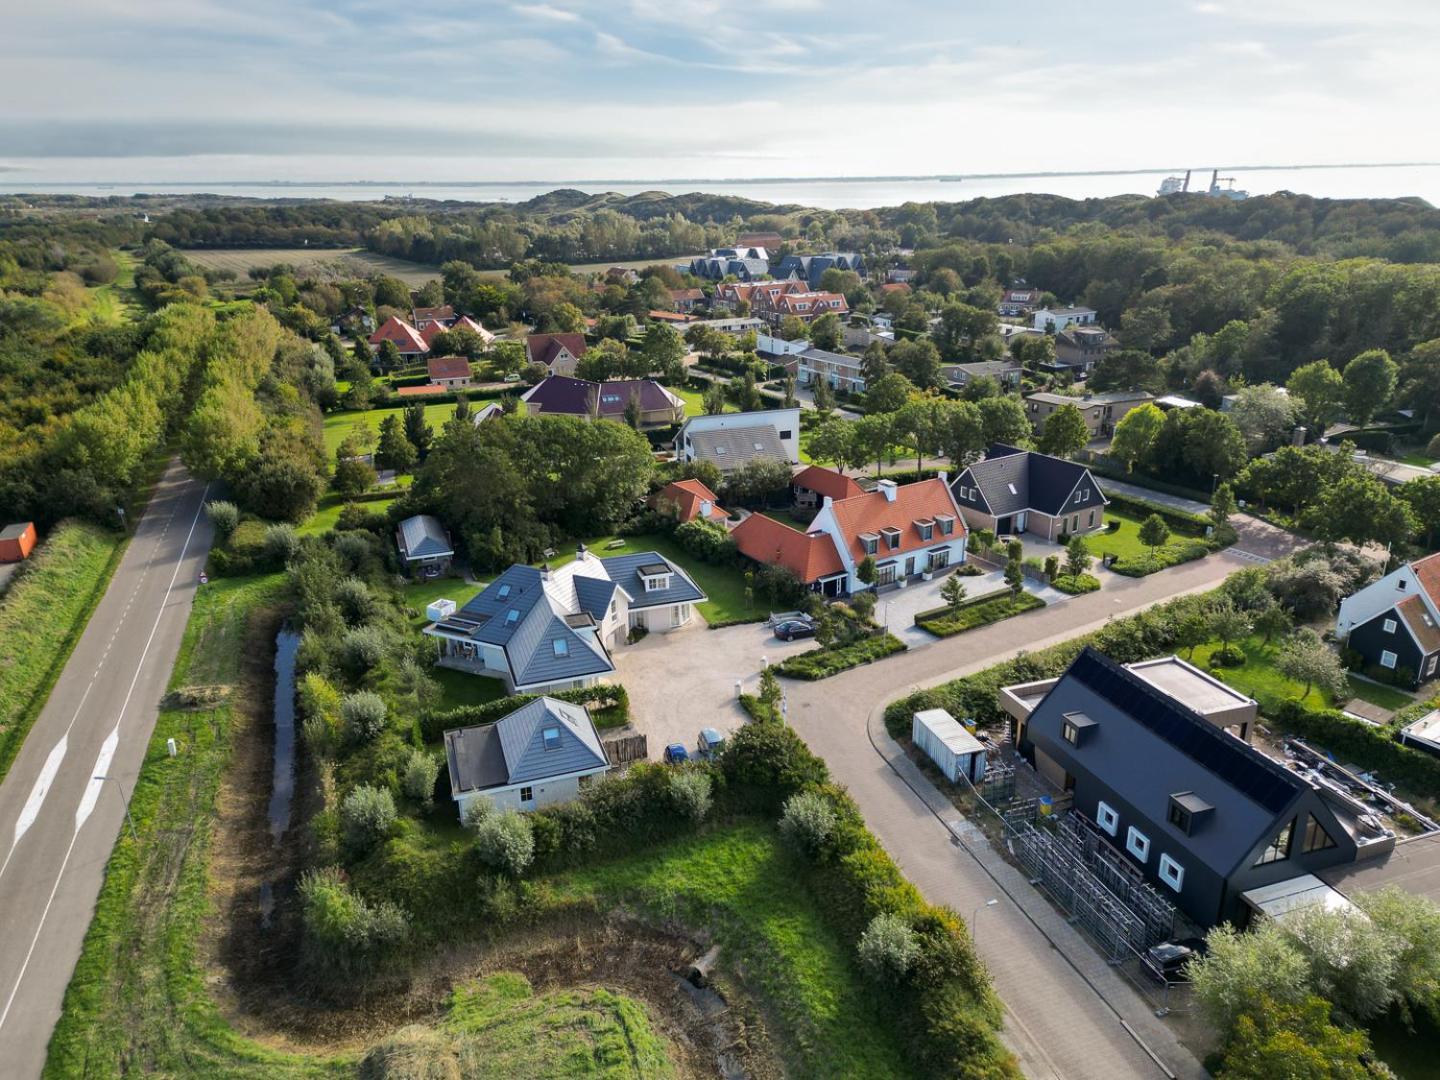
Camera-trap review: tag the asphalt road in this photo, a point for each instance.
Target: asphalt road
(58, 820)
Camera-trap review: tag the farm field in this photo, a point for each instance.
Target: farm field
(240, 260)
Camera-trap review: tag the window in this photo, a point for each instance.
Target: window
(1171, 872)
(1081, 495)
(719, 450)
(759, 446)
(885, 573)
(1107, 817)
(870, 542)
(679, 615)
(1070, 733)
(1012, 489)
(561, 647)
(1389, 626)
(1091, 523)
(504, 592)
(940, 559)
(1430, 666)
(1137, 843)
(1316, 838)
(927, 529)
(787, 434)
(527, 794)
(512, 617)
(892, 540)
(1400, 584)
(1178, 816)
(551, 737)
(947, 525)
(1278, 849)
(1388, 659)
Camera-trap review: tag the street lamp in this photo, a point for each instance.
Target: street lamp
(125, 801)
(980, 907)
(1214, 483)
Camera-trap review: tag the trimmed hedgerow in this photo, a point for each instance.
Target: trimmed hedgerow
(1075, 584)
(944, 622)
(601, 697)
(824, 662)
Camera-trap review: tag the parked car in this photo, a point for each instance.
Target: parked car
(711, 743)
(513, 376)
(790, 631)
(1167, 961)
(676, 754)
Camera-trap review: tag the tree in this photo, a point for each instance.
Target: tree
(633, 412)
(1423, 498)
(394, 450)
(420, 434)
(1015, 574)
(1273, 621)
(1213, 444)
(1222, 505)
(1319, 393)
(1208, 389)
(866, 571)
(874, 363)
(959, 433)
(1192, 630)
(915, 421)
(833, 441)
(1064, 433)
(758, 481)
(1369, 384)
(1305, 658)
(353, 474)
(1077, 556)
(1361, 509)
(953, 591)
(1413, 922)
(1135, 435)
(823, 396)
(1003, 420)
(888, 948)
(1228, 623)
(1154, 532)
(1352, 959)
(388, 358)
(1264, 414)
(888, 394)
(826, 332)
(873, 436)
(1294, 1041)
(961, 327)
(1241, 969)
(918, 361)
(1126, 369)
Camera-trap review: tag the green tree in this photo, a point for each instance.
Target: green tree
(1361, 509)
(888, 394)
(823, 396)
(959, 432)
(1154, 532)
(915, 422)
(866, 571)
(388, 358)
(953, 591)
(826, 332)
(1222, 505)
(1296, 1042)
(1190, 631)
(874, 364)
(834, 441)
(918, 361)
(1239, 970)
(1306, 658)
(1228, 623)
(394, 450)
(417, 430)
(1423, 498)
(1369, 384)
(353, 474)
(873, 436)
(1003, 420)
(1077, 556)
(1064, 432)
(1319, 391)
(1135, 435)
(1264, 414)
(1273, 621)
(713, 399)
(1015, 573)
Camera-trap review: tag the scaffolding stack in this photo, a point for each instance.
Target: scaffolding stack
(1119, 876)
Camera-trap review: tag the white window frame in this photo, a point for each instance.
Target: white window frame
(1137, 844)
(1389, 626)
(1430, 665)
(1107, 817)
(1172, 873)
(1388, 659)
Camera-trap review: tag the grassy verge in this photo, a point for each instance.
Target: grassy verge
(42, 616)
(1259, 678)
(945, 622)
(823, 662)
(338, 425)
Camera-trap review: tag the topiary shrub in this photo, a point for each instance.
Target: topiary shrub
(363, 714)
(808, 822)
(689, 791)
(505, 841)
(888, 948)
(367, 817)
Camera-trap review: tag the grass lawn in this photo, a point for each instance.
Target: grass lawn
(724, 585)
(42, 616)
(1419, 459)
(339, 424)
(741, 884)
(1258, 678)
(327, 511)
(1125, 541)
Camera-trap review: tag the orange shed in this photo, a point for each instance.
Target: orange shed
(17, 541)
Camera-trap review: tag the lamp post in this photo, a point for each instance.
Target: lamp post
(124, 801)
(1214, 483)
(980, 907)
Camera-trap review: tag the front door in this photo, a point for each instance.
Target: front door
(910, 566)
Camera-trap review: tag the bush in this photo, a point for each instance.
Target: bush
(767, 763)
(355, 600)
(362, 649)
(417, 780)
(808, 822)
(1227, 656)
(689, 791)
(1162, 559)
(281, 544)
(984, 610)
(608, 697)
(224, 516)
(1372, 748)
(367, 816)
(505, 841)
(708, 541)
(343, 934)
(888, 949)
(363, 713)
(822, 663)
(1075, 584)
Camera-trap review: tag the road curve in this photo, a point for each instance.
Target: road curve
(58, 821)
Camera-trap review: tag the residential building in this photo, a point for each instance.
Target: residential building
(745, 263)
(558, 395)
(734, 293)
(910, 530)
(544, 752)
(677, 319)
(770, 241)
(805, 306)
(464, 322)
(811, 268)
(1014, 491)
(449, 372)
(559, 353)
(687, 300)
(1080, 348)
(1208, 820)
(859, 338)
(424, 545)
(815, 483)
(840, 370)
(1018, 301)
(1394, 623)
(541, 630)
(1005, 372)
(424, 317)
(688, 500)
(769, 345)
(406, 338)
(353, 320)
(1057, 319)
(736, 327)
(17, 541)
(621, 275)
(729, 440)
(900, 275)
(1101, 411)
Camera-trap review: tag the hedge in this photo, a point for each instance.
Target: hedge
(1369, 747)
(1178, 520)
(945, 622)
(1162, 559)
(1076, 584)
(384, 400)
(823, 662)
(600, 696)
(1102, 466)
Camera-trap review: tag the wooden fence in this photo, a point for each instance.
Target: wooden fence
(625, 749)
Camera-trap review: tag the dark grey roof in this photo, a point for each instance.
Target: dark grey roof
(624, 570)
(839, 359)
(422, 536)
(994, 368)
(513, 750)
(1012, 480)
(475, 758)
(730, 448)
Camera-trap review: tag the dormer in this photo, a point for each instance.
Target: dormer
(1076, 728)
(926, 528)
(1187, 811)
(870, 543)
(656, 577)
(891, 536)
(946, 524)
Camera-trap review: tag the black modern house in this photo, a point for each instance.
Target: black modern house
(1013, 491)
(1202, 814)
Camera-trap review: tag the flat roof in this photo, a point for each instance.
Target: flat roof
(957, 738)
(1425, 730)
(1286, 897)
(1189, 685)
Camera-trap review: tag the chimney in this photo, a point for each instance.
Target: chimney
(828, 501)
(705, 508)
(886, 488)
(581, 552)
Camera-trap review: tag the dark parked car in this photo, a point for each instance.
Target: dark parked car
(675, 754)
(1168, 961)
(711, 743)
(789, 631)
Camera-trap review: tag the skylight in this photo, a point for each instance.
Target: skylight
(1012, 489)
(562, 647)
(551, 736)
(504, 592)
(512, 617)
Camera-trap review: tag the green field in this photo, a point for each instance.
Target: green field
(1258, 678)
(42, 616)
(1125, 541)
(346, 262)
(337, 425)
(695, 400)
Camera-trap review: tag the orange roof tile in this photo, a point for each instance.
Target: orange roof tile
(405, 336)
(825, 481)
(810, 556)
(417, 391)
(448, 367)
(688, 496)
(1427, 635)
(1427, 572)
(871, 512)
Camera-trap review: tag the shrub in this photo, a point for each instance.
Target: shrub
(1076, 584)
(708, 541)
(343, 934)
(888, 948)
(1227, 656)
(367, 816)
(281, 544)
(417, 780)
(984, 610)
(608, 697)
(768, 762)
(362, 649)
(1162, 559)
(689, 791)
(363, 713)
(808, 822)
(355, 600)
(505, 841)
(823, 662)
(224, 516)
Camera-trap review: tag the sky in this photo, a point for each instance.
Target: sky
(444, 90)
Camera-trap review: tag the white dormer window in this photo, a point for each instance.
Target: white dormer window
(1081, 495)
(926, 528)
(870, 542)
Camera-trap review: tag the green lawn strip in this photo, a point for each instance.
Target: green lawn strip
(42, 616)
(419, 594)
(138, 1001)
(823, 662)
(943, 622)
(1386, 697)
(723, 585)
(744, 886)
(695, 400)
(1259, 678)
(458, 688)
(337, 425)
(327, 511)
(1125, 542)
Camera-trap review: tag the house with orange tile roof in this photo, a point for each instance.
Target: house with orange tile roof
(690, 499)
(805, 306)
(406, 338)
(1394, 623)
(449, 371)
(423, 317)
(909, 530)
(687, 300)
(815, 483)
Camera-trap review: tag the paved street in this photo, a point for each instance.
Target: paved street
(58, 821)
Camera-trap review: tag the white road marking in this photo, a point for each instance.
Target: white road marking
(31, 810)
(107, 751)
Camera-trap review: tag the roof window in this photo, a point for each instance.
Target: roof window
(551, 738)
(504, 592)
(512, 617)
(561, 646)
(1012, 489)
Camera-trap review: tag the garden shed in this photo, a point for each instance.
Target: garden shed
(950, 745)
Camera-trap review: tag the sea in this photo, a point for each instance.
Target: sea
(834, 193)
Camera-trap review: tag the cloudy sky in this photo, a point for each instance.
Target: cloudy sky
(443, 90)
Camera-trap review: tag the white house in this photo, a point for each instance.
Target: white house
(731, 439)
(841, 371)
(778, 346)
(544, 752)
(1058, 319)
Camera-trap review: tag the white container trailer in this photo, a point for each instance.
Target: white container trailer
(950, 745)
(439, 610)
